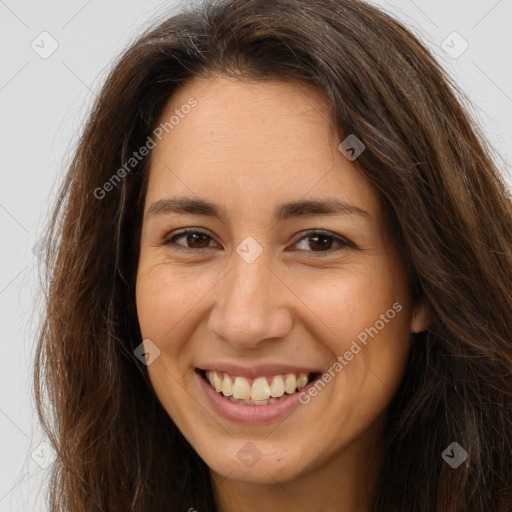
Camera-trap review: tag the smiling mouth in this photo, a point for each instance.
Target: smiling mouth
(259, 390)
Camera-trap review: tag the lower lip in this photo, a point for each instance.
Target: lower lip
(253, 414)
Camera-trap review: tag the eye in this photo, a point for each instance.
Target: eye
(323, 241)
(319, 241)
(196, 238)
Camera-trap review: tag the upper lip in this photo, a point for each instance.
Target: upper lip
(257, 370)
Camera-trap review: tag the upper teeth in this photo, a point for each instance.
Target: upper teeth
(241, 388)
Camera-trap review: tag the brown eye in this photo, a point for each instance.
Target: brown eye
(320, 241)
(194, 239)
(197, 240)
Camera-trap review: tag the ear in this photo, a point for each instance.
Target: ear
(419, 317)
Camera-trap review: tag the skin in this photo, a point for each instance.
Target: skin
(248, 147)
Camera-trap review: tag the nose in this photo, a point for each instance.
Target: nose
(251, 304)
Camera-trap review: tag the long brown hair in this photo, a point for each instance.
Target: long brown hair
(449, 212)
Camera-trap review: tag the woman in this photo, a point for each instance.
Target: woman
(280, 276)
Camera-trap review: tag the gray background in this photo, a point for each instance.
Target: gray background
(43, 102)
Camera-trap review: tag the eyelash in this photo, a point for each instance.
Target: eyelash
(309, 234)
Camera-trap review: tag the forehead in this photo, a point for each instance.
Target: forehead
(254, 143)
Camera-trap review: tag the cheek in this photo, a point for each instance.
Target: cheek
(153, 301)
(349, 301)
(364, 322)
(164, 298)
(162, 304)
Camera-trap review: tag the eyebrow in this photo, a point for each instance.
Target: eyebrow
(195, 206)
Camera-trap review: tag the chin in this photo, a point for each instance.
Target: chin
(255, 461)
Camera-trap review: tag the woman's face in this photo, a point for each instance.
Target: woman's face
(268, 288)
